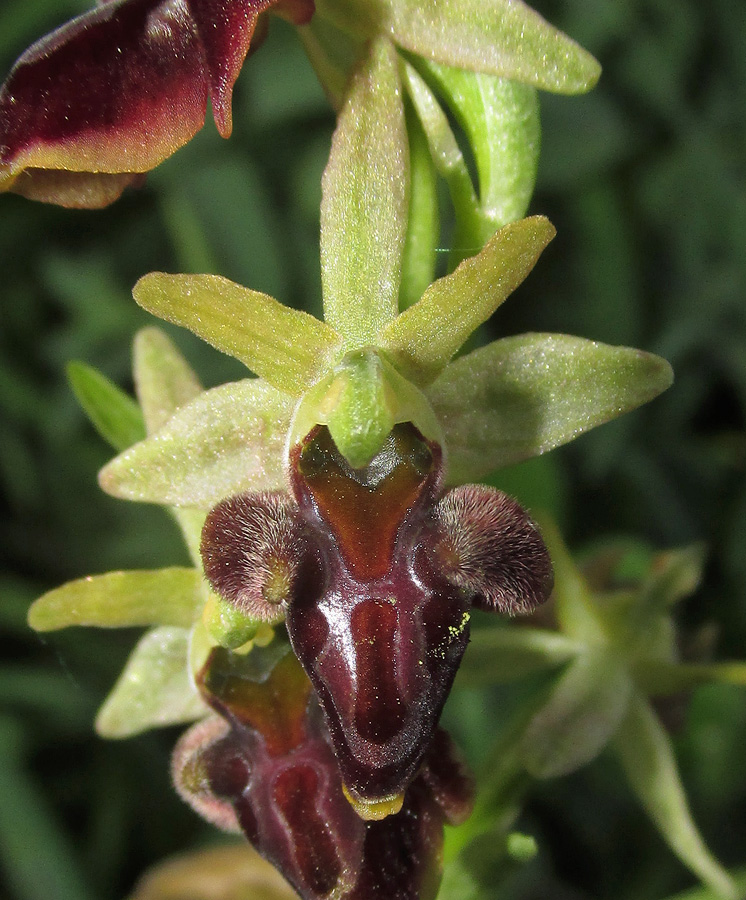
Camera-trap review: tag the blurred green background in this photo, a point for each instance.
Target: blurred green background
(644, 179)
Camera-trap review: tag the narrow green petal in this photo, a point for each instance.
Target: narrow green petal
(114, 414)
(228, 440)
(365, 203)
(583, 712)
(501, 120)
(472, 230)
(155, 688)
(289, 348)
(500, 37)
(663, 677)
(121, 599)
(423, 224)
(423, 338)
(521, 396)
(508, 653)
(646, 753)
(164, 380)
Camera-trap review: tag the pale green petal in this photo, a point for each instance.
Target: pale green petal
(164, 380)
(504, 654)
(501, 119)
(154, 689)
(114, 414)
(289, 348)
(423, 339)
(521, 396)
(500, 37)
(228, 440)
(169, 596)
(583, 712)
(365, 203)
(647, 756)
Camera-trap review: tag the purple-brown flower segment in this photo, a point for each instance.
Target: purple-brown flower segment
(378, 601)
(266, 767)
(115, 91)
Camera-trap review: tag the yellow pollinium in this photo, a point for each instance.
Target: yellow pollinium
(375, 810)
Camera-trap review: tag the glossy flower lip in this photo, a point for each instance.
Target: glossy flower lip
(115, 91)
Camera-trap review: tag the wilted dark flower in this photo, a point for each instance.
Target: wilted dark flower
(265, 766)
(378, 604)
(112, 93)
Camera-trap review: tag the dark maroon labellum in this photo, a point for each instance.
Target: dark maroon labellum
(266, 765)
(382, 632)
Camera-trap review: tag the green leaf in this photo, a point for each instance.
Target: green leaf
(501, 120)
(423, 338)
(228, 440)
(121, 599)
(39, 862)
(521, 396)
(647, 756)
(508, 653)
(580, 717)
(154, 689)
(499, 37)
(365, 203)
(114, 414)
(289, 348)
(163, 378)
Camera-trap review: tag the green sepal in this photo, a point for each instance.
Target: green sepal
(288, 347)
(228, 440)
(645, 751)
(164, 380)
(365, 200)
(503, 654)
(226, 624)
(171, 596)
(501, 120)
(114, 414)
(423, 339)
(582, 713)
(154, 689)
(500, 37)
(360, 402)
(521, 396)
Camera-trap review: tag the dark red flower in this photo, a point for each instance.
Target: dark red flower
(112, 93)
(378, 597)
(267, 768)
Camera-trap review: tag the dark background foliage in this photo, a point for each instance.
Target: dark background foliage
(644, 179)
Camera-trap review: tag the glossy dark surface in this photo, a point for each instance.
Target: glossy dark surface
(380, 632)
(268, 761)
